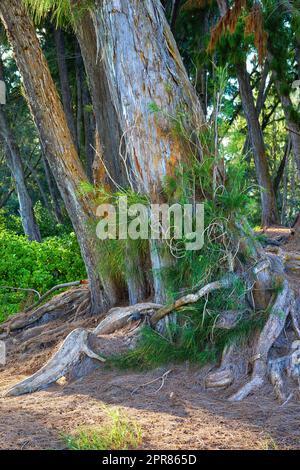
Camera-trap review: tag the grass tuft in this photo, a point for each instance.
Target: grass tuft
(120, 433)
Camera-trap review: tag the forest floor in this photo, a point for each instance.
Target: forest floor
(181, 415)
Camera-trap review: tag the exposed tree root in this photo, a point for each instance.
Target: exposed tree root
(271, 331)
(64, 304)
(77, 344)
(66, 357)
(224, 376)
(268, 288)
(118, 317)
(54, 289)
(288, 365)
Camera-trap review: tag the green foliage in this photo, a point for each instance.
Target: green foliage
(60, 10)
(35, 265)
(48, 225)
(121, 433)
(115, 254)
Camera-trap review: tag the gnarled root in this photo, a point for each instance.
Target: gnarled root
(118, 317)
(65, 304)
(269, 334)
(288, 365)
(233, 365)
(62, 362)
(77, 344)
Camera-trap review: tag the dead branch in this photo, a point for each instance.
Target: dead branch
(162, 378)
(22, 290)
(53, 289)
(224, 283)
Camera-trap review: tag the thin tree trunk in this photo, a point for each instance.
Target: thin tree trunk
(89, 130)
(56, 140)
(282, 166)
(292, 125)
(174, 14)
(79, 86)
(268, 200)
(55, 196)
(15, 165)
(64, 80)
(88, 114)
(39, 184)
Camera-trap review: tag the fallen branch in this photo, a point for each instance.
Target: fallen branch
(21, 289)
(53, 289)
(162, 378)
(224, 283)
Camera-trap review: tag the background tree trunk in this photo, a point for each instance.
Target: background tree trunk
(64, 80)
(14, 162)
(268, 200)
(57, 141)
(15, 165)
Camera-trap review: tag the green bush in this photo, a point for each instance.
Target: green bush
(33, 265)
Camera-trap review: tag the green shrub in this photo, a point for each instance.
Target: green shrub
(33, 265)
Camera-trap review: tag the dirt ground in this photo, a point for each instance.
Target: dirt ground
(181, 415)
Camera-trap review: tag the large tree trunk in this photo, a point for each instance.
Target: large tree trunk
(56, 139)
(110, 161)
(106, 116)
(64, 80)
(140, 59)
(14, 162)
